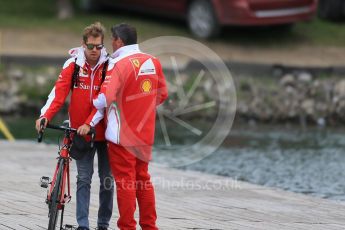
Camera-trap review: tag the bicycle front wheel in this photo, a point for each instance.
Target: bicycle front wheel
(55, 198)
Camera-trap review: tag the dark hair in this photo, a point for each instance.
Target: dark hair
(127, 33)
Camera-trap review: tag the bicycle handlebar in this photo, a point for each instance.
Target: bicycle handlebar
(62, 128)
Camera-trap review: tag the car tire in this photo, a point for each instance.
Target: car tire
(202, 20)
(331, 9)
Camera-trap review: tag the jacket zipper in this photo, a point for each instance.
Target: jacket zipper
(91, 90)
(92, 80)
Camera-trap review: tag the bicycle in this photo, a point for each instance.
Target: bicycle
(56, 194)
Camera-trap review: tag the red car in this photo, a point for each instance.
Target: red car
(206, 17)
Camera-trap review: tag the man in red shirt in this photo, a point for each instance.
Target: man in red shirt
(134, 86)
(90, 59)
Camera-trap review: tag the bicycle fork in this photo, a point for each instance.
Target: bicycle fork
(45, 182)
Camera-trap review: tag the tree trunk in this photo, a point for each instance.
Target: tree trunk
(65, 9)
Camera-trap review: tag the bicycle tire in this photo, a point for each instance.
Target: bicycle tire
(53, 208)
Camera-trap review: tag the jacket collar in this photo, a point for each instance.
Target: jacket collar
(79, 53)
(125, 50)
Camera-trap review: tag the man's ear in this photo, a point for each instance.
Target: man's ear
(121, 42)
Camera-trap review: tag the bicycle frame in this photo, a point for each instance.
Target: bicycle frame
(64, 159)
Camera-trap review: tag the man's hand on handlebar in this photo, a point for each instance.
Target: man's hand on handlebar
(38, 124)
(84, 129)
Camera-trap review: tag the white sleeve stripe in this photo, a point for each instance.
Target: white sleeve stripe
(68, 62)
(51, 97)
(97, 117)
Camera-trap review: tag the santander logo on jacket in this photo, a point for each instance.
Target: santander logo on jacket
(87, 89)
(134, 87)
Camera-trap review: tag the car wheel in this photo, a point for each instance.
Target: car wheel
(331, 9)
(202, 19)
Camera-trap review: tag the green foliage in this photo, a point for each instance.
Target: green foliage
(33, 94)
(318, 32)
(27, 9)
(41, 14)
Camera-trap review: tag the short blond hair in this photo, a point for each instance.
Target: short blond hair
(95, 30)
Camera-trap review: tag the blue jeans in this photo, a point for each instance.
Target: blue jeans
(106, 191)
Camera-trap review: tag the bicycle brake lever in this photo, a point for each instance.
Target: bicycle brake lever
(93, 135)
(40, 134)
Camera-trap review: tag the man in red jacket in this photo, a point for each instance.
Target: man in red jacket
(90, 59)
(134, 86)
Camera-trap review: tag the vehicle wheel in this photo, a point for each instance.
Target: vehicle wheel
(53, 205)
(202, 19)
(331, 9)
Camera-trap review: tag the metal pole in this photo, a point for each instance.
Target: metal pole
(6, 131)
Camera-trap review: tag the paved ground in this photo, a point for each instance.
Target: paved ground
(185, 200)
(48, 43)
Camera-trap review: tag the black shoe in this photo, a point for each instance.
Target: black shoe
(82, 228)
(69, 227)
(102, 228)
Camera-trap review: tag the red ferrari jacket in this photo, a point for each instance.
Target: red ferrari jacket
(80, 107)
(134, 86)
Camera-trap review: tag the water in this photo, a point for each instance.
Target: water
(310, 162)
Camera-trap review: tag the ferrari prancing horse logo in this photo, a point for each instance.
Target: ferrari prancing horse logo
(136, 63)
